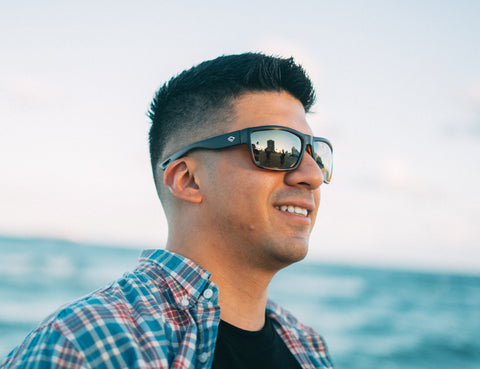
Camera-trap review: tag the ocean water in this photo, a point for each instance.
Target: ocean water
(370, 318)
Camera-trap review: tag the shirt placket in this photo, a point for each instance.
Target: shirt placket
(207, 317)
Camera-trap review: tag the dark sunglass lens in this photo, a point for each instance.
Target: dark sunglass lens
(275, 149)
(323, 157)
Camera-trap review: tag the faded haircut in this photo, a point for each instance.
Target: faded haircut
(194, 103)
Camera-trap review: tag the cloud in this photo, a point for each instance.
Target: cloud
(399, 174)
(466, 123)
(30, 91)
(473, 93)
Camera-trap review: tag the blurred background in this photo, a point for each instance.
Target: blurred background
(398, 85)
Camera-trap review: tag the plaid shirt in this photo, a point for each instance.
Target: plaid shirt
(164, 314)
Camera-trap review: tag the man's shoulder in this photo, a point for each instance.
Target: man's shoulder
(134, 294)
(299, 337)
(286, 319)
(110, 304)
(98, 325)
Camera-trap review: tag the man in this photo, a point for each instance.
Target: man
(238, 172)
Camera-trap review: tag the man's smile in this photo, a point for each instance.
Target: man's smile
(293, 209)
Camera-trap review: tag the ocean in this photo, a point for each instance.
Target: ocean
(370, 317)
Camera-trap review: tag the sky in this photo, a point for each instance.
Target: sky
(398, 87)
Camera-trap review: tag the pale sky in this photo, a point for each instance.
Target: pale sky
(398, 88)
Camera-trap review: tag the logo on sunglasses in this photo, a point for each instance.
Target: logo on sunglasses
(231, 139)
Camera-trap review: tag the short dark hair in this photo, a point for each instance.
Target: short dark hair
(199, 97)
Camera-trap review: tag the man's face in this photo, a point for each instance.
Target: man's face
(247, 204)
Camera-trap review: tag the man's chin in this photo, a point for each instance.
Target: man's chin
(293, 254)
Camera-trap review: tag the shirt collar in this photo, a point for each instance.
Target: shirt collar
(186, 279)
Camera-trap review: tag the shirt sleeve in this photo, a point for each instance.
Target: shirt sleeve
(45, 348)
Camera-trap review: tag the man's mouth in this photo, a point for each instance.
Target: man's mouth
(297, 210)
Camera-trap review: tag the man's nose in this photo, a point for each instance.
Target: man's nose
(308, 174)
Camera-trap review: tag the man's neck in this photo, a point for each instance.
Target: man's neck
(243, 298)
(243, 290)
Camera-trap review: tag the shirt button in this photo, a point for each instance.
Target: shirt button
(208, 293)
(203, 357)
(184, 302)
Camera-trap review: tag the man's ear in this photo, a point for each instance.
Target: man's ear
(181, 181)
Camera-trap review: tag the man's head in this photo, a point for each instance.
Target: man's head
(236, 209)
(198, 103)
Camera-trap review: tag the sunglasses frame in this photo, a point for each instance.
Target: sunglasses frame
(242, 137)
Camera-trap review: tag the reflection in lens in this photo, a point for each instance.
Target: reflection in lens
(323, 157)
(275, 149)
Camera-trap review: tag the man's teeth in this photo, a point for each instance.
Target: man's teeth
(293, 209)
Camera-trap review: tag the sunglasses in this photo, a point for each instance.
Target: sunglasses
(274, 148)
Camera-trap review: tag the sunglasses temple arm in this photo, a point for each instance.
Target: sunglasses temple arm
(214, 143)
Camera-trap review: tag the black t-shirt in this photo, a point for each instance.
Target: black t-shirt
(263, 349)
